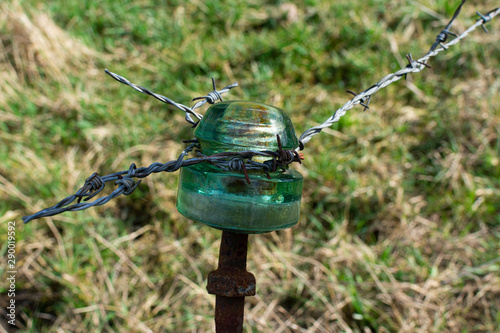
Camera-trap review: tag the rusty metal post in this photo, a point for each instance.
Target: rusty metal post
(231, 283)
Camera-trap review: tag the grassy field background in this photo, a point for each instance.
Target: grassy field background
(400, 220)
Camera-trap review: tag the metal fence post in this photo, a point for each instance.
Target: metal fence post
(231, 283)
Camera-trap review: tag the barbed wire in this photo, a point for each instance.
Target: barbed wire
(414, 66)
(211, 97)
(230, 161)
(237, 161)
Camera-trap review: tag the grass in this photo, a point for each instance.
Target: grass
(400, 221)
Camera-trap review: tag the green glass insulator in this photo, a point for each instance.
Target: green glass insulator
(223, 199)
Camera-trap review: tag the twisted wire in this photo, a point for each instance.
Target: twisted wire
(210, 98)
(233, 161)
(414, 66)
(242, 161)
(95, 184)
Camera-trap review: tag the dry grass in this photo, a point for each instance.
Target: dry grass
(399, 234)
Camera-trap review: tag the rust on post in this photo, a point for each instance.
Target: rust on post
(231, 283)
(229, 313)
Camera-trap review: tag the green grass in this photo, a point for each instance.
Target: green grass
(400, 220)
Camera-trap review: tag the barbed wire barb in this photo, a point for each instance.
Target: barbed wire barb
(414, 66)
(414, 63)
(443, 35)
(485, 20)
(214, 95)
(363, 101)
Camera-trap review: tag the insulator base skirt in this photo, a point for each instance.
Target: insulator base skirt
(224, 200)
